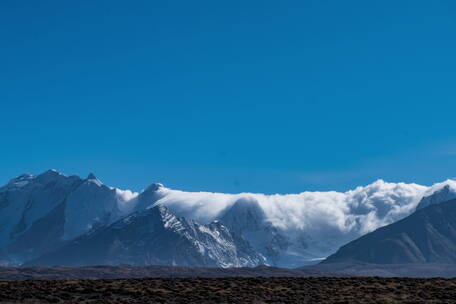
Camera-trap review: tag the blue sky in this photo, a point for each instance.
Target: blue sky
(258, 96)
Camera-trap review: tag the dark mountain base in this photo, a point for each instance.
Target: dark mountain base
(426, 270)
(117, 272)
(321, 270)
(232, 290)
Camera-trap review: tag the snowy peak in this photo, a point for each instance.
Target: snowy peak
(51, 172)
(154, 187)
(248, 219)
(439, 193)
(22, 177)
(91, 176)
(149, 196)
(245, 215)
(92, 179)
(91, 205)
(50, 175)
(20, 181)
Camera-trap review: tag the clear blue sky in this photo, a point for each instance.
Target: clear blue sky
(261, 96)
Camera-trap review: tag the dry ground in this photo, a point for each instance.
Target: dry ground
(232, 290)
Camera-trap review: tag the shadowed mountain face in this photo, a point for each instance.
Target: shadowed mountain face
(156, 237)
(426, 236)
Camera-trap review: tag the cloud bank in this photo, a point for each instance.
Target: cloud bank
(362, 209)
(324, 220)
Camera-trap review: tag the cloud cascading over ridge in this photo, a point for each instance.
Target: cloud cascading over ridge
(364, 208)
(324, 220)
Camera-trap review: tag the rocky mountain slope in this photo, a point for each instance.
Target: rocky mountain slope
(156, 237)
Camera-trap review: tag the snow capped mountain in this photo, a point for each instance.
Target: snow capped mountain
(40, 213)
(91, 204)
(148, 197)
(37, 213)
(156, 237)
(27, 198)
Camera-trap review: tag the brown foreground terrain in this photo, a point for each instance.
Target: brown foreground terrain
(232, 290)
(136, 272)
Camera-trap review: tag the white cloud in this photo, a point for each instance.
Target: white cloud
(322, 220)
(363, 209)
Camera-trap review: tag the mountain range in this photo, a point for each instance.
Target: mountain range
(155, 237)
(55, 219)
